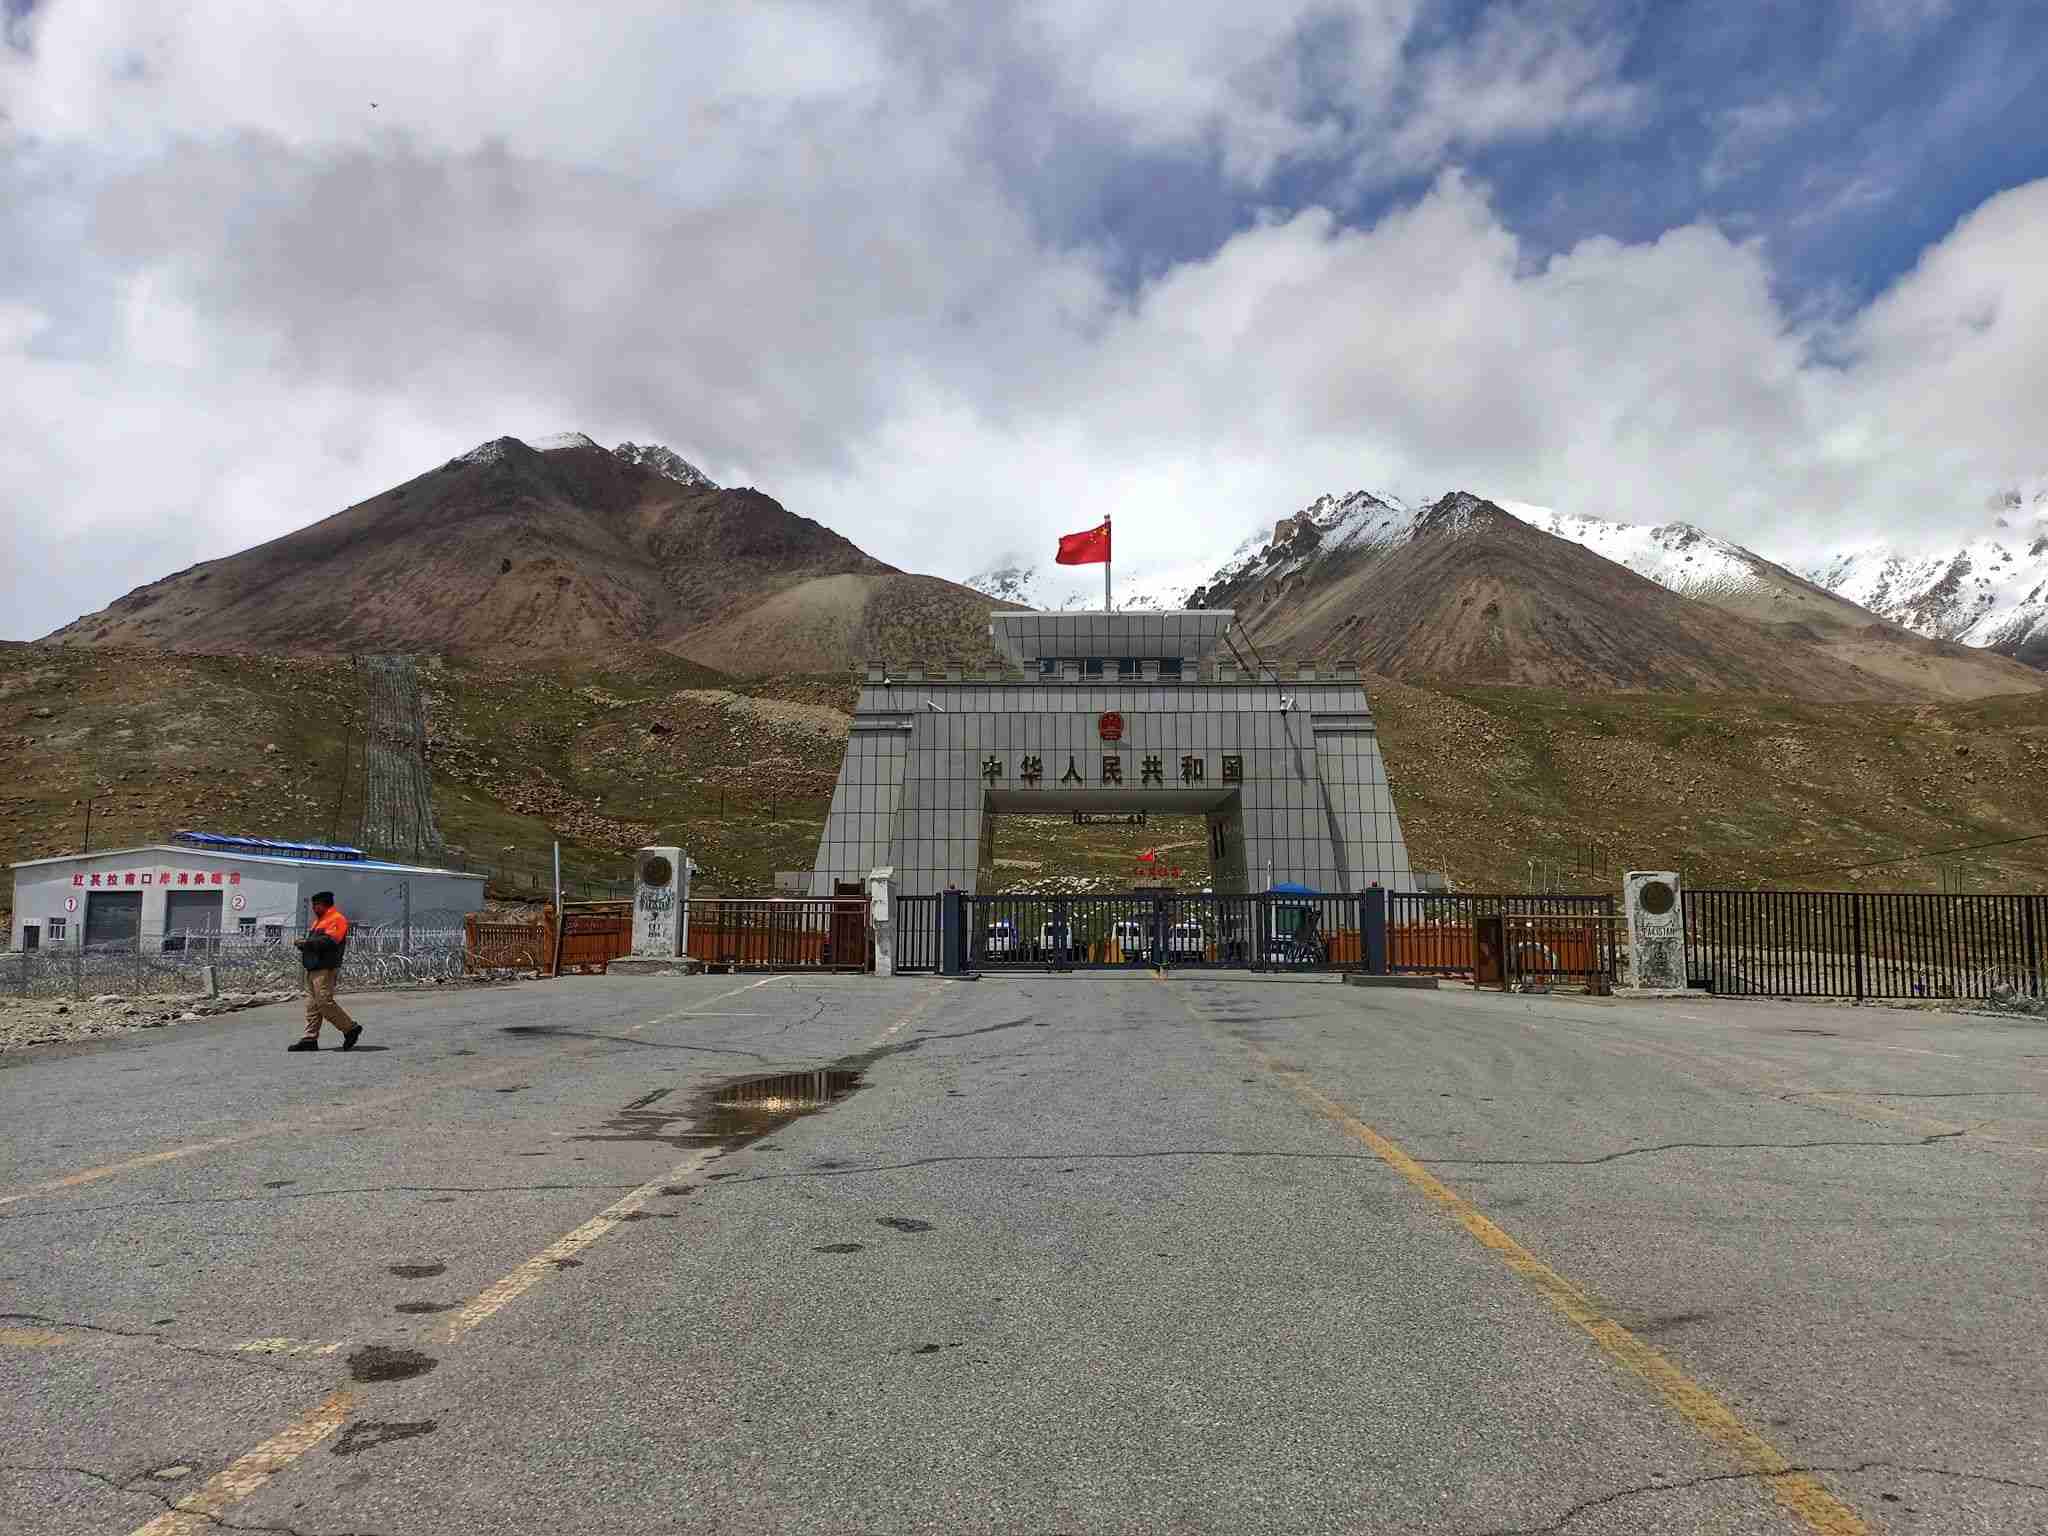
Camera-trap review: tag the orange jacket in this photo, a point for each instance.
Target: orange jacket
(326, 942)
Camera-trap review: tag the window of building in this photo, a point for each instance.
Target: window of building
(55, 930)
(272, 932)
(246, 924)
(1048, 666)
(1092, 667)
(1169, 666)
(1127, 666)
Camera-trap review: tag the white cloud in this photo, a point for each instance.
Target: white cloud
(243, 308)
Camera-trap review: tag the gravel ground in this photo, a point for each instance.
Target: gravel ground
(27, 1021)
(32, 1021)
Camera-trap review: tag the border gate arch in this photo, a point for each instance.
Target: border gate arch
(1114, 712)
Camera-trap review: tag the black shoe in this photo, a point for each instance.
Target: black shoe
(350, 1035)
(303, 1045)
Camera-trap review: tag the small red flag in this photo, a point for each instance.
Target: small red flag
(1089, 547)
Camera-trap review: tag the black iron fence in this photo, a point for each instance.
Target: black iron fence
(1500, 939)
(917, 933)
(1884, 945)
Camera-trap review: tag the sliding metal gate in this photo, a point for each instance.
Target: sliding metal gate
(1271, 931)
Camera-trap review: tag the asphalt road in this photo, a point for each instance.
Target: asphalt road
(1082, 1254)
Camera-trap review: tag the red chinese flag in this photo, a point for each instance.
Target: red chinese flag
(1089, 547)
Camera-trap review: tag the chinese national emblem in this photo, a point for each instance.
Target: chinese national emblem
(1110, 727)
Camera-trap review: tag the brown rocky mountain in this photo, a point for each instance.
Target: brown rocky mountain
(565, 548)
(1463, 591)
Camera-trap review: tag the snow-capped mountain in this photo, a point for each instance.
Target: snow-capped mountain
(666, 462)
(663, 461)
(1679, 556)
(1688, 560)
(1062, 591)
(1361, 522)
(1989, 591)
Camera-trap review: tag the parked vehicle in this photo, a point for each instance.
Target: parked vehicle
(1185, 940)
(1132, 938)
(1001, 940)
(1055, 942)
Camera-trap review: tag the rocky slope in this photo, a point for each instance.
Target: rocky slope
(1690, 561)
(1461, 590)
(609, 752)
(514, 548)
(1367, 577)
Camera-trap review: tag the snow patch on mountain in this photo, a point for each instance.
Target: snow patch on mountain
(555, 440)
(1990, 590)
(1679, 556)
(667, 463)
(1327, 526)
(1010, 580)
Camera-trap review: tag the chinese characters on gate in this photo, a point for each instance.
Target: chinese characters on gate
(1108, 769)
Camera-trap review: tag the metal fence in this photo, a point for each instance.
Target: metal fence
(787, 933)
(1504, 939)
(177, 965)
(1884, 945)
(917, 933)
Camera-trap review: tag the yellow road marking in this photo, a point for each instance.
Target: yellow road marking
(494, 1298)
(1796, 1491)
(108, 1170)
(30, 1338)
(198, 1511)
(911, 1017)
(684, 1013)
(288, 1347)
(279, 1127)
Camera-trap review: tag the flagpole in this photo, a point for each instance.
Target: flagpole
(1105, 573)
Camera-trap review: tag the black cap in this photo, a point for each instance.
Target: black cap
(326, 896)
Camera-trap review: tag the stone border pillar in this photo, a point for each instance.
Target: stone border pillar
(661, 903)
(882, 916)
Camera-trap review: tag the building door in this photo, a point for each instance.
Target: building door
(32, 936)
(113, 917)
(191, 918)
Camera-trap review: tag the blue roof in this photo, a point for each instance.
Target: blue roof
(277, 848)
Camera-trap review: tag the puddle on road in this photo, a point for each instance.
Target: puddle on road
(756, 1106)
(368, 1434)
(729, 1115)
(376, 1362)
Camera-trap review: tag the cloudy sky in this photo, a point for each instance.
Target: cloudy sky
(956, 277)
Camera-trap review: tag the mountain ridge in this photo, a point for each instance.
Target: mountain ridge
(1462, 588)
(510, 548)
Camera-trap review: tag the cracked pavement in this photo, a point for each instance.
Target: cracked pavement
(1074, 1257)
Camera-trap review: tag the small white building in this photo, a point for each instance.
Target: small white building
(226, 886)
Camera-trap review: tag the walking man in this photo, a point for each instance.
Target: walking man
(321, 950)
